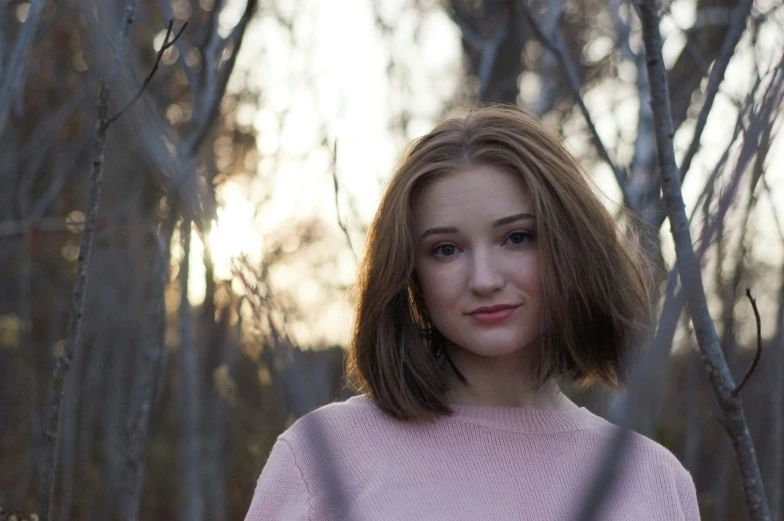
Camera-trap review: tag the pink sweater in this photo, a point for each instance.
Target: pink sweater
(482, 463)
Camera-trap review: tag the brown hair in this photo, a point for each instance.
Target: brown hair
(595, 280)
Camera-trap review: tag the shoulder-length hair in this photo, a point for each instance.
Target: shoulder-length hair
(595, 279)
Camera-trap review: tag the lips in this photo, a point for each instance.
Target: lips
(493, 309)
(492, 314)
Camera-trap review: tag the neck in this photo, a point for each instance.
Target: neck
(501, 381)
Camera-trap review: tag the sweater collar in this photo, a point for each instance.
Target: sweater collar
(513, 419)
(522, 419)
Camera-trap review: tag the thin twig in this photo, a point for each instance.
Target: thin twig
(757, 355)
(689, 268)
(166, 45)
(341, 223)
(183, 46)
(46, 492)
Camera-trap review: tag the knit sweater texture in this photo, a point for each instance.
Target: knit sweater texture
(351, 461)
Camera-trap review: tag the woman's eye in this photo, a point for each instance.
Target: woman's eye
(519, 237)
(444, 250)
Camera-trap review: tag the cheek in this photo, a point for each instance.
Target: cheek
(529, 276)
(440, 288)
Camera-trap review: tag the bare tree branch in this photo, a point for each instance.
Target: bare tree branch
(554, 42)
(488, 48)
(143, 392)
(342, 224)
(13, 78)
(691, 277)
(740, 15)
(189, 393)
(183, 45)
(204, 114)
(46, 491)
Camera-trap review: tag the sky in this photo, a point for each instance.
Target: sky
(327, 80)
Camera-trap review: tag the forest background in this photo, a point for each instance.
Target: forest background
(185, 187)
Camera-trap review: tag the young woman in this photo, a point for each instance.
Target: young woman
(492, 274)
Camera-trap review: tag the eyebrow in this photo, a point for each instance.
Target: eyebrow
(499, 222)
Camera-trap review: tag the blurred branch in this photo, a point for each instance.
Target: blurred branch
(737, 26)
(217, 79)
(13, 77)
(745, 243)
(690, 275)
(54, 224)
(205, 47)
(488, 48)
(646, 381)
(554, 42)
(779, 223)
(144, 380)
(709, 188)
(122, 54)
(189, 392)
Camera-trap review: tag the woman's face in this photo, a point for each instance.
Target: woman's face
(478, 262)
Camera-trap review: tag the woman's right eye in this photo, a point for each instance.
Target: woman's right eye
(444, 250)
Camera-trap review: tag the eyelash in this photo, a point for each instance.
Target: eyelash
(526, 233)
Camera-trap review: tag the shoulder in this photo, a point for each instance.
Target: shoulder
(647, 457)
(655, 468)
(341, 423)
(640, 452)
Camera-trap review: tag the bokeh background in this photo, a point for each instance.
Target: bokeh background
(236, 194)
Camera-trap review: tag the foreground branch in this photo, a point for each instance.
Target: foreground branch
(46, 492)
(688, 265)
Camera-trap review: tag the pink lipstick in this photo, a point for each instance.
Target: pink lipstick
(492, 314)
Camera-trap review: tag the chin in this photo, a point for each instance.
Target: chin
(492, 349)
(495, 343)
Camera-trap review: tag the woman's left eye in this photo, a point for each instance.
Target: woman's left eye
(519, 237)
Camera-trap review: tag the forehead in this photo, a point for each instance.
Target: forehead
(475, 194)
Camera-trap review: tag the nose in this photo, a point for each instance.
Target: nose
(485, 277)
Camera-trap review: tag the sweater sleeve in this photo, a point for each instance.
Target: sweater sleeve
(687, 494)
(281, 492)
